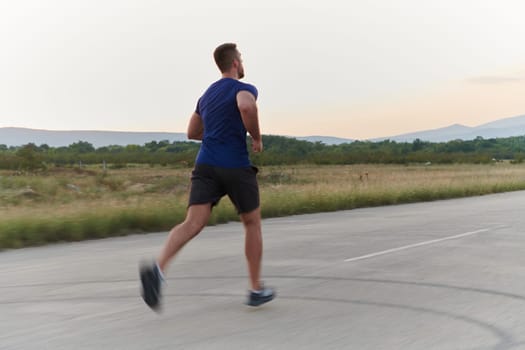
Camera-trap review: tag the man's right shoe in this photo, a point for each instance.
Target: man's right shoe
(260, 297)
(151, 284)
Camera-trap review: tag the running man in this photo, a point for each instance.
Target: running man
(224, 113)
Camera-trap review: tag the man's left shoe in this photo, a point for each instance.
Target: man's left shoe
(151, 285)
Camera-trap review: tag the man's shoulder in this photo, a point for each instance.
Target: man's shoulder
(231, 84)
(235, 82)
(228, 82)
(242, 86)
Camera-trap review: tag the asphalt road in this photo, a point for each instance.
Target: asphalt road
(439, 275)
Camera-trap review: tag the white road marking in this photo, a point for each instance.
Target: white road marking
(393, 250)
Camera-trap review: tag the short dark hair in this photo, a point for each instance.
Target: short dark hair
(224, 55)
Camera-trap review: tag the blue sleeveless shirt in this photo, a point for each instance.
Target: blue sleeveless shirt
(224, 139)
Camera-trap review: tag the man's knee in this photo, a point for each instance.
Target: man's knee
(251, 218)
(194, 225)
(197, 217)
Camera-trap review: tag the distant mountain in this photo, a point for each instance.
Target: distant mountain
(327, 140)
(54, 138)
(22, 136)
(507, 127)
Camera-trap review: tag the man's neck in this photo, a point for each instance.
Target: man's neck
(232, 75)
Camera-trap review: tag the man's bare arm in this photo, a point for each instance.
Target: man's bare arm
(195, 127)
(250, 118)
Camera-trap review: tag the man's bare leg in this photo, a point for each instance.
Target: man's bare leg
(196, 219)
(253, 245)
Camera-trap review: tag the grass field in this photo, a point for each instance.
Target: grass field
(67, 204)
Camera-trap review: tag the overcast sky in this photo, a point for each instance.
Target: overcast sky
(355, 69)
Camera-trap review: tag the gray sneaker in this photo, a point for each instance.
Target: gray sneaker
(256, 298)
(151, 285)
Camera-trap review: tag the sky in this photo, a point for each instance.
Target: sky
(352, 69)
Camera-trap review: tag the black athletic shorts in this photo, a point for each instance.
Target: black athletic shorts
(209, 184)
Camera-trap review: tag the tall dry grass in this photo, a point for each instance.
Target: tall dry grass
(76, 204)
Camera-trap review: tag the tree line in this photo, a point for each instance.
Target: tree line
(278, 150)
